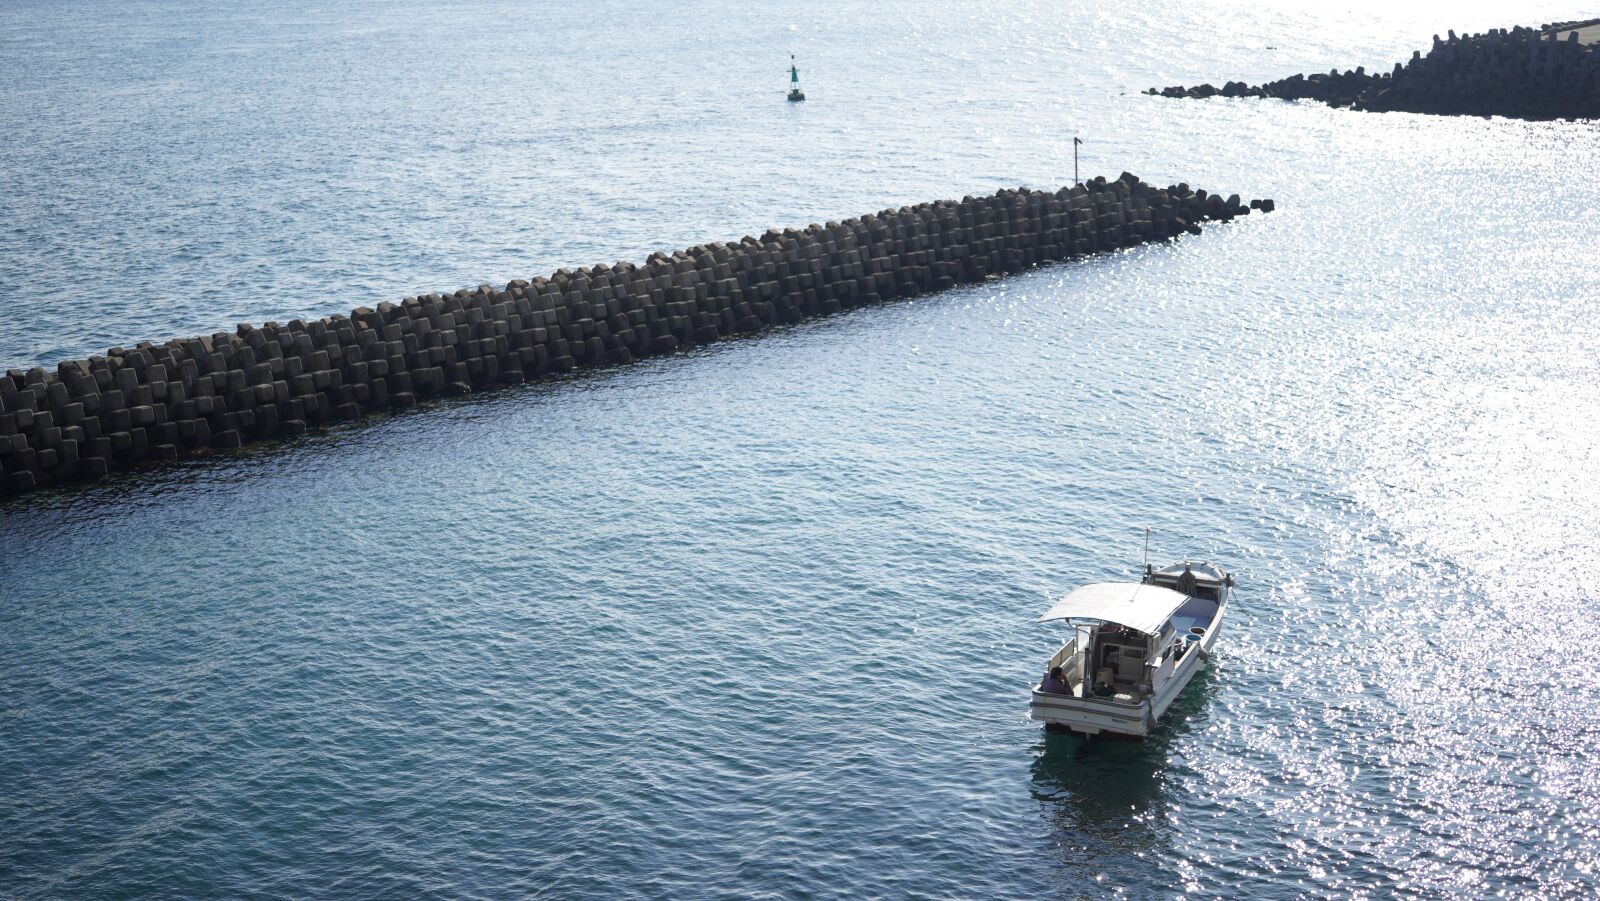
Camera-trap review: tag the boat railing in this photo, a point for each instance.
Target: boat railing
(1157, 672)
(1066, 655)
(1071, 662)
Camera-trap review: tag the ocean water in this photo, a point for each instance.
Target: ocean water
(757, 620)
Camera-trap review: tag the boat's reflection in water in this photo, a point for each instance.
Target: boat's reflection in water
(1107, 797)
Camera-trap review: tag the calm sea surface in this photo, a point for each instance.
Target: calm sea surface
(757, 620)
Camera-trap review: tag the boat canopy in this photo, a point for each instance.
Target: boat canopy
(1140, 607)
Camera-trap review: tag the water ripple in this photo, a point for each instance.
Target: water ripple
(754, 620)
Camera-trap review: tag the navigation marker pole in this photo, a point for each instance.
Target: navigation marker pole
(795, 94)
(1075, 143)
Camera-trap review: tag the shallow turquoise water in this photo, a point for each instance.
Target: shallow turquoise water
(757, 619)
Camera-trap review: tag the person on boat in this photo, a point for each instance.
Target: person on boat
(1055, 683)
(1187, 581)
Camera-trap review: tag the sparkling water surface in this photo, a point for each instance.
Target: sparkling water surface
(757, 620)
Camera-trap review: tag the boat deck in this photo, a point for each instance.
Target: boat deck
(1196, 612)
(1124, 694)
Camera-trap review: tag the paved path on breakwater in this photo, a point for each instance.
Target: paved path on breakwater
(1588, 34)
(157, 403)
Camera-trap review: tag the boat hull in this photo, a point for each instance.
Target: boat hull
(1092, 716)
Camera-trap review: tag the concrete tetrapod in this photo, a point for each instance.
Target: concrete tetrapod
(1521, 73)
(189, 396)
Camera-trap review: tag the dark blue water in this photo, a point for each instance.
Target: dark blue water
(757, 620)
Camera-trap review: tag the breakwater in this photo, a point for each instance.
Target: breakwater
(159, 402)
(1522, 73)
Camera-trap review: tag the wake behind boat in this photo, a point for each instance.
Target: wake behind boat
(1133, 648)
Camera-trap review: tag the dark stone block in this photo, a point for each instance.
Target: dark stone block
(22, 458)
(121, 444)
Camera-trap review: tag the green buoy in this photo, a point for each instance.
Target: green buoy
(795, 94)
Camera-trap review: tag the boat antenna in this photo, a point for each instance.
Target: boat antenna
(1147, 549)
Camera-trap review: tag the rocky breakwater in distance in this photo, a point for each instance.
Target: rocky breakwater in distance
(191, 396)
(1521, 73)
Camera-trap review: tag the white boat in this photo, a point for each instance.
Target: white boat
(1133, 648)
